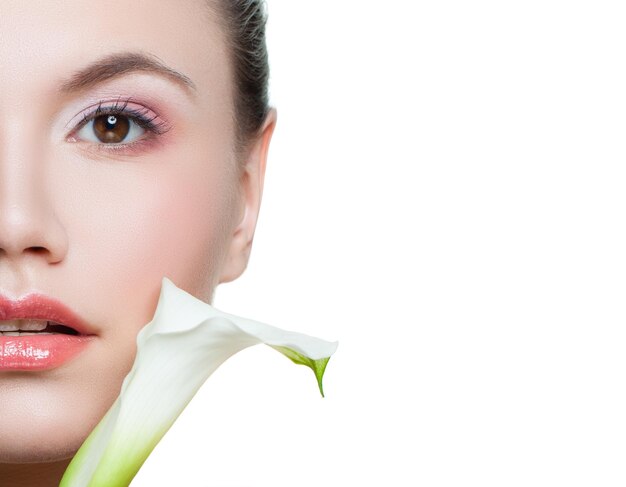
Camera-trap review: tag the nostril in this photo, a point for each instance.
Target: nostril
(45, 253)
(26, 235)
(37, 250)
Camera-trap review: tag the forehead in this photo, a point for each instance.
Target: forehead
(46, 41)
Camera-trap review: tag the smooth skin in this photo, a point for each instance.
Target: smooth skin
(98, 228)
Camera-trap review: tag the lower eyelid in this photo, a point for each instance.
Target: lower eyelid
(146, 143)
(134, 149)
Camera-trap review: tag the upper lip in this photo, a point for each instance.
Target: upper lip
(41, 307)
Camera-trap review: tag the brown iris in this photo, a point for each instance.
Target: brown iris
(111, 128)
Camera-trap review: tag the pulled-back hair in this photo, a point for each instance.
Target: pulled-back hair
(244, 24)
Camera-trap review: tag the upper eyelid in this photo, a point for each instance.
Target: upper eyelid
(118, 106)
(89, 116)
(101, 109)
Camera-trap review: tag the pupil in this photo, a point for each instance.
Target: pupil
(111, 128)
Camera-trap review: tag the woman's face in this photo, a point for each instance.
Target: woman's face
(95, 208)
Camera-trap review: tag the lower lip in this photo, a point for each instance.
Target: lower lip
(40, 352)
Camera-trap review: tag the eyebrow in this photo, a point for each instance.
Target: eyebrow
(118, 64)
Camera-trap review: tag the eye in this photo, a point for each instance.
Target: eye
(118, 127)
(111, 128)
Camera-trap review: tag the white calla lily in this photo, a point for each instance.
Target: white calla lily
(177, 351)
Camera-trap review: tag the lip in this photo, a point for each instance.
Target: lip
(41, 352)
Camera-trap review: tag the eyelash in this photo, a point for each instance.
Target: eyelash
(153, 129)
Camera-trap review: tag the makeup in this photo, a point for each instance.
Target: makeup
(141, 127)
(39, 352)
(95, 208)
(39, 333)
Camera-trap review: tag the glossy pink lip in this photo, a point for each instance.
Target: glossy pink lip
(41, 352)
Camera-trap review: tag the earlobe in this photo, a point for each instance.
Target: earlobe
(252, 179)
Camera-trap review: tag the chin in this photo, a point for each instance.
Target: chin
(44, 424)
(43, 439)
(45, 416)
(24, 445)
(41, 454)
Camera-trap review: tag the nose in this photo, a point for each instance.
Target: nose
(26, 230)
(29, 226)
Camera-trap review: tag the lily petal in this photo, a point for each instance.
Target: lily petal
(186, 341)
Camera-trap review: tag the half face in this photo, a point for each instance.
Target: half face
(116, 169)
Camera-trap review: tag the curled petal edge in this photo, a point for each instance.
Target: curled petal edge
(184, 343)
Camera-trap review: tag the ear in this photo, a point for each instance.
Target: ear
(251, 182)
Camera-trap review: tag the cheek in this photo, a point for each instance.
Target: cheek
(143, 222)
(179, 229)
(127, 225)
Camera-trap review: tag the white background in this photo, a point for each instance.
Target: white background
(445, 196)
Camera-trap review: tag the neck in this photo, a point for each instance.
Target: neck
(33, 474)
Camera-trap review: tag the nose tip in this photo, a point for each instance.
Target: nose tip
(30, 230)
